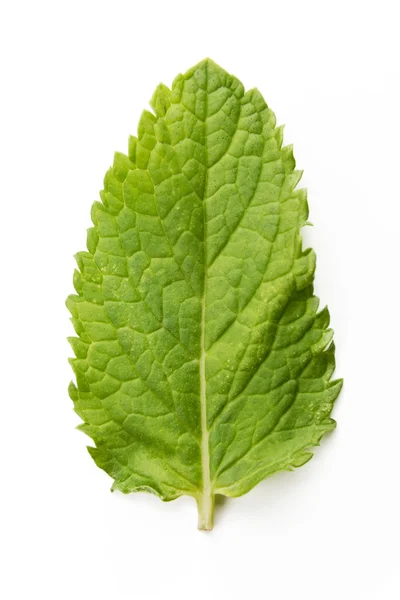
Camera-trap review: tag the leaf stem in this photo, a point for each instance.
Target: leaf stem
(205, 506)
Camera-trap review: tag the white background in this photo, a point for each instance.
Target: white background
(75, 77)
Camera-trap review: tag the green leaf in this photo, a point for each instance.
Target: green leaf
(202, 363)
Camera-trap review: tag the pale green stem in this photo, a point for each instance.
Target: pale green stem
(205, 505)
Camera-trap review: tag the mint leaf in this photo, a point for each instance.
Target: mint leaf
(202, 365)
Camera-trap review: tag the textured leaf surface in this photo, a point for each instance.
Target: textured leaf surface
(202, 363)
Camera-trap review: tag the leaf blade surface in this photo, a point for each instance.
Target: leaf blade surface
(202, 363)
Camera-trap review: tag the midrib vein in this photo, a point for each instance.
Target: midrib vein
(205, 451)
